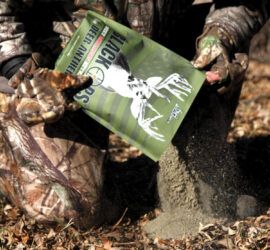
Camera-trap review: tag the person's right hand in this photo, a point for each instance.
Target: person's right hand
(40, 91)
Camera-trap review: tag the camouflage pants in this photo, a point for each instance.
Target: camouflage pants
(53, 172)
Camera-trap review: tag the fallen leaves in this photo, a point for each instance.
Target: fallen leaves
(252, 115)
(252, 119)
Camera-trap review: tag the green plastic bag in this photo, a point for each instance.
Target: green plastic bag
(141, 90)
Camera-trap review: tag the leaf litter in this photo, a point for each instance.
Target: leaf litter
(252, 120)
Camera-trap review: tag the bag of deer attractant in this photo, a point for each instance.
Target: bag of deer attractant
(141, 90)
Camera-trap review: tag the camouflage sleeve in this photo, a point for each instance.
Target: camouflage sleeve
(239, 20)
(13, 41)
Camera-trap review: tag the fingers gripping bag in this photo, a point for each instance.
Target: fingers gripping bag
(141, 90)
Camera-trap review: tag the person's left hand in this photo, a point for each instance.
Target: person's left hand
(213, 55)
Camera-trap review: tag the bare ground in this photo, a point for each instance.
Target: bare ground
(250, 133)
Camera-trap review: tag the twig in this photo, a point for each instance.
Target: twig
(68, 225)
(124, 243)
(118, 222)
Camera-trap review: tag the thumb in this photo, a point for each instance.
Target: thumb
(208, 50)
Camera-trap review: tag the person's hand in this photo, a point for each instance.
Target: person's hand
(224, 69)
(40, 91)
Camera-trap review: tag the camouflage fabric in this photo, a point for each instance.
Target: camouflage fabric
(51, 178)
(149, 17)
(12, 39)
(238, 22)
(40, 91)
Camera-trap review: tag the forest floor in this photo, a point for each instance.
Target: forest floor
(250, 133)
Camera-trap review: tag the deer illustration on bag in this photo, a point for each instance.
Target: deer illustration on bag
(120, 80)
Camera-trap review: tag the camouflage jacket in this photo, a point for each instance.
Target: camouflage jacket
(241, 19)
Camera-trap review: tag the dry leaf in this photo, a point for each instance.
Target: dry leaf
(20, 246)
(226, 243)
(10, 238)
(51, 234)
(25, 238)
(129, 235)
(231, 232)
(206, 227)
(160, 241)
(114, 234)
(106, 243)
